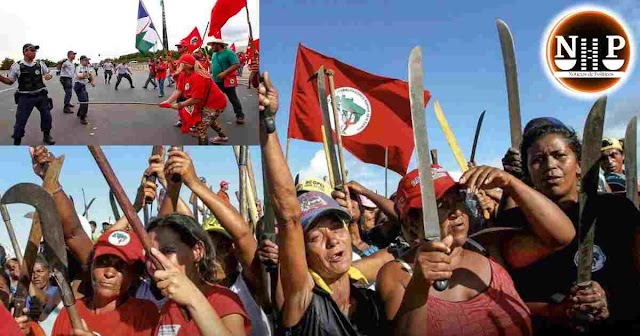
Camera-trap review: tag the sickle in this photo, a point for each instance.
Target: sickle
(42, 201)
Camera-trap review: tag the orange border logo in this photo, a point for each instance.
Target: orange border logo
(588, 51)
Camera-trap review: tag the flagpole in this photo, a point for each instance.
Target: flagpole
(386, 169)
(286, 155)
(253, 50)
(325, 146)
(338, 131)
(165, 42)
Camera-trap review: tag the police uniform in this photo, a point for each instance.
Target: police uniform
(80, 87)
(31, 93)
(108, 71)
(67, 73)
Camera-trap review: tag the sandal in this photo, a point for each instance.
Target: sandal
(218, 140)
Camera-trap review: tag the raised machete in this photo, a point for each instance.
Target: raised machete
(630, 163)
(511, 74)
(432, 230)
(472, 159)
(590, 162)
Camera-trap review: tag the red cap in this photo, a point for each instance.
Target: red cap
(187, 59)
(122, 244)
(183, 43)
(223, 183)
(409, 195)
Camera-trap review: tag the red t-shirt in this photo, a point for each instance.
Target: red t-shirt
(161, 70)
(499, 310)
(8, 326)
(195, 86)
(224, 302)
(135, 317)
(152, 69)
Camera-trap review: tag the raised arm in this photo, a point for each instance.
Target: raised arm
(75, 237)
(297, 283)
(550, 229)
(383, 203)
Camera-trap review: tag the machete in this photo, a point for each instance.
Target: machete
(590, 162)
(156, 150)
(630, 163)
(86, 210)
(511, 74)
(326, 122)
(114, 206)
(472, 159)
(432, 230)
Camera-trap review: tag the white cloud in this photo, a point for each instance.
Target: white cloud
(95, 28)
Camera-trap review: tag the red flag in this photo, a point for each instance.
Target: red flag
(222, 11)
(233, 47)
(193, 41)
(375, 111)
(252, 44)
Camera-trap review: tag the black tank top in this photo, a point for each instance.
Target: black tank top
(324, 318)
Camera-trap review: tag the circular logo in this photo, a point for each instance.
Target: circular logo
(599, 258)
(194, 41)
(187, 86)
(119, 238)
(588, 51)
(354, 111)
(37, 72)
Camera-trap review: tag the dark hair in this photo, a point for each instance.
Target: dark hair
(191, 233)
(41, 259)
(534, 134)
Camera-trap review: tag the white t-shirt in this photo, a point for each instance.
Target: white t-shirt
(260, 325)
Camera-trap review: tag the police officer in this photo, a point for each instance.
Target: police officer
(67, 72)
(31, 93)
(83, 77)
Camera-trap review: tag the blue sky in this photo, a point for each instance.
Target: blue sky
(462, 64)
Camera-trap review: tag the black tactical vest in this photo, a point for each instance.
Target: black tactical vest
(30, 79)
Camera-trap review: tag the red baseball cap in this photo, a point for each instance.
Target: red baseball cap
(187, 59)
(122, 244)
(409, 195)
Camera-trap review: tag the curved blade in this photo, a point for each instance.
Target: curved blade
(511, 74)
(86, 210)
(475, 137)
(114, 205)
(591, 143)
(42, 201)
(630, 160)
(418, 119)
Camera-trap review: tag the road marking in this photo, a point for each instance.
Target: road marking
(9, 89)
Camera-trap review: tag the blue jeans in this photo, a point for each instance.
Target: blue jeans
(68, 88)
(161, 86)
(26, 103)
(83, 97)
(240, 70)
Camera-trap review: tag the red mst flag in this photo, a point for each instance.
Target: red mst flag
(222, 11)
(252, 44)
(233, 47)
(375, 112)
(194, 41)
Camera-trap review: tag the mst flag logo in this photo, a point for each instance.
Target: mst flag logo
(354, 110)
(588, 51)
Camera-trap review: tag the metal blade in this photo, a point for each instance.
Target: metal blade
(475, 137)
(36, 196)
(114, 205)
(591, 143)
(511, 73)
(418, 119)
(326, 121)
(451, 139)
(630, 157)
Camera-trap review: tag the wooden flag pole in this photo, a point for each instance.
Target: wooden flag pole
(338, 132)
(253, 50)
(325, 147)
(386, 169)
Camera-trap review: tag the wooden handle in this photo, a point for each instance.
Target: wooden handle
(434, 156)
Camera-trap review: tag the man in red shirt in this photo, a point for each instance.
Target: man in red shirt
(243, 60)
(222, 193)
(204, 102)
(152, 75)
(161, 75)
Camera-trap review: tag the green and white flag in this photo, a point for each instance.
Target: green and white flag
(146, 36)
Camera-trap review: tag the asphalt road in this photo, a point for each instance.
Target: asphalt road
(123, 124)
